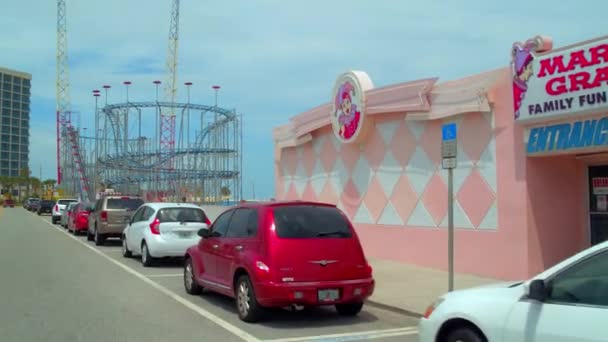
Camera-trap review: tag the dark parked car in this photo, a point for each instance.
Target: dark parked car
(34, 206)
(8, 203)
(45, 207)
(30, 201)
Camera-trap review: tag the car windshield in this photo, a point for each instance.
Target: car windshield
(86, 206)
(124, 203)
(66, 201)
(47, 203)
(310, 221)
(181, 215)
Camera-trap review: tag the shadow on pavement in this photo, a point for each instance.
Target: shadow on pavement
(313, 318)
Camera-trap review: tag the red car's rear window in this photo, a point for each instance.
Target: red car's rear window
(310, 222)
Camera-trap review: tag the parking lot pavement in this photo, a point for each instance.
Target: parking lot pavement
(124, 283)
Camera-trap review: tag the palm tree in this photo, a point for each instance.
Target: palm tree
(49, 183)
(35, 184)
(8, 183)
(225, 191)
(24, 181)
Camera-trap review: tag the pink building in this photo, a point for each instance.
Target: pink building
(529, 187)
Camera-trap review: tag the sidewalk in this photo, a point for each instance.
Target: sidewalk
(412, 288)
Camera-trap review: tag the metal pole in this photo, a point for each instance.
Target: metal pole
(95, 162)
(188, 84)
(216, 142)
(450, 230)
(105, 123)
(126, 142)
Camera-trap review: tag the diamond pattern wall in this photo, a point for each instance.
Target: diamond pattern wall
(395, 178)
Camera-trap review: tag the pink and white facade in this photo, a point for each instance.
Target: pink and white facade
(376, 153)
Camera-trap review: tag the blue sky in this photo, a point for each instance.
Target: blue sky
(274, 59)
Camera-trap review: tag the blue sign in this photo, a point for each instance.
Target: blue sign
(569, 136)
(448, 132)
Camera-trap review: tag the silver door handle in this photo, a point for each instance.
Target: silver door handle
(239, 248)
(216, 246)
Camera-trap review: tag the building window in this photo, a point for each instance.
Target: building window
(24, 131)
(16, 88)
(6, 94)
(8, 78)
(6, 121)
(26, 82)
(6, 103)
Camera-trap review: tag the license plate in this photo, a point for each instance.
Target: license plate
(328, 295)
(184, 234)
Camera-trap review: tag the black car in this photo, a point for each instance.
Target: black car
(45, 207)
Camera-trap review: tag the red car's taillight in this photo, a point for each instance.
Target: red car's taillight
(207, 221)
(154, 227)
(56, 207)
(104, 215)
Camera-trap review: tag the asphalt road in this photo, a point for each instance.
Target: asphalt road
(57, 287)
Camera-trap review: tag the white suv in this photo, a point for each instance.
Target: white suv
(59, 207)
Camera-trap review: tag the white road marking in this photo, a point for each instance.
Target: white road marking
(355, 336)
(206, 314)
(165, 275)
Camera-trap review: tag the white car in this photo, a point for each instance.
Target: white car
(63, 220)
(158, 230)
(567, 302)
(59, 207)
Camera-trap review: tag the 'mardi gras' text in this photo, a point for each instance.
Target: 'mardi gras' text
(585, 79)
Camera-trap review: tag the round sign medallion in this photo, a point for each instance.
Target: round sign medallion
(348, 105)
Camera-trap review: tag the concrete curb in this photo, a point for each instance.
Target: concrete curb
(394, 309)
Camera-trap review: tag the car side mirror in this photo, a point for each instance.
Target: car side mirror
(204, 233)
(537, 290)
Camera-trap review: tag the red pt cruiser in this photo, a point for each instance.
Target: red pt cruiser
(280, 254)
(78, 220)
